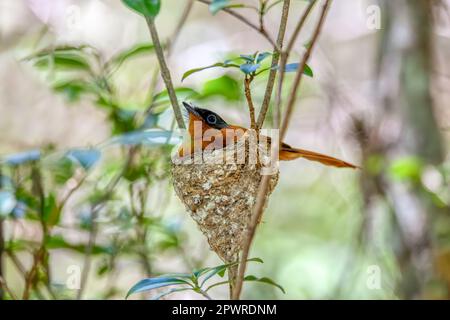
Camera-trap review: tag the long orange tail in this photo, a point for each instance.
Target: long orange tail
(289, 153)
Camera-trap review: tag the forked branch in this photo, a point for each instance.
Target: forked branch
(264, 185)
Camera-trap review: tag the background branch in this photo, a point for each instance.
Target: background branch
(264, 184)
(299, 75)
(168, 48)
(165, 73)
(273, 72)
(260, 29)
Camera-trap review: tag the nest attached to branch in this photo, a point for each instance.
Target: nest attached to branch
(220, 193)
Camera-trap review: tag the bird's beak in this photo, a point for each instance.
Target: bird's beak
(190, 109)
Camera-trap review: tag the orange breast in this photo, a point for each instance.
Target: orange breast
(204, 137)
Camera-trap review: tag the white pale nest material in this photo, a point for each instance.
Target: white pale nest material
(220, 193)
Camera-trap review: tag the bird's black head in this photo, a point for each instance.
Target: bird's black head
(210, 118)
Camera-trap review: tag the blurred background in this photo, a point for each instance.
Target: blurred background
(84, 191)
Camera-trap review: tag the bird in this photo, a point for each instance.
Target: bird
(214, 130)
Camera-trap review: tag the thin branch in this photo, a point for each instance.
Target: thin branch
(264, 184)
(299, 74)
(168, 48)
(299, 26)
(6, 288)
(165, 73)
(40, 255)
(259, 29)
(273, 71)
(248, 96)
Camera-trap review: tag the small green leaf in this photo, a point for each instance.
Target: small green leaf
(22, 158)
(248, 57)
(406, 168)
(73, 89)
(215, 65)
(51, 210)
(153, 283)
(135, 51)
(85, 157)
(249, 68)
(7, 203)
(217, 5)
(147, 137)
(292, 67)
(148, 8)
(63, 61)
(220, 270)
(263, 55)
(224, 86)
(264, 280)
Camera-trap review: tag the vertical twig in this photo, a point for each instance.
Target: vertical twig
(168, 47)
(299, 26)
(165, 73)
(264, 184)
(248, 95)
(40, 256)
(273, 71)
(299, 74)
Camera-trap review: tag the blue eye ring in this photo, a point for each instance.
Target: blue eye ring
(212, 119)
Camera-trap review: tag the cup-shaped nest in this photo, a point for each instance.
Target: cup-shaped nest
(219, 189)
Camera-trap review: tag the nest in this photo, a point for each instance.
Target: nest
(220, 192)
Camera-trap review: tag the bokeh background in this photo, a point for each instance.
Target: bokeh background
(379, 98)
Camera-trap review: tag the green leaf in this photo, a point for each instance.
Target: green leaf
(147, 137)
(264, 280)
(406, 168)
(7, 203)
(292, 67)
(84, 157)
(215, 65)
(135, 51)
(220, 270)
(249, 68)
(73, 89)
(217, 5)
(51, 210)
(63, 61)
(22, 158)
(153, 283)
(263, 55)
(148, 8)
(224, 86)
(247, 57)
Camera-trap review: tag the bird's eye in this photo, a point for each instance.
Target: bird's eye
(211, 119)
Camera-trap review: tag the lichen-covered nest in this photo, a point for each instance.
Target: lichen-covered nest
(220, 194)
